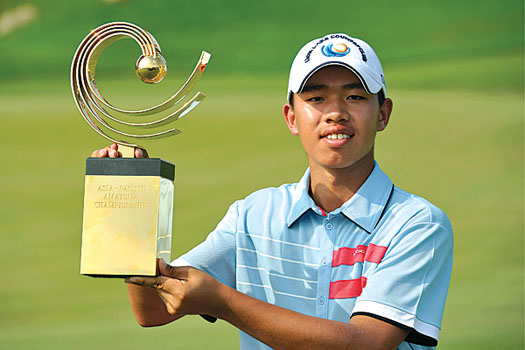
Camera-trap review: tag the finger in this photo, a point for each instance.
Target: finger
(139, 281)
(96, 153)
(101, 153)
(152, 282)
(114, 146)
(141, 153)
(113, 153)
(166, 299)
(178, 272)
(165, 269)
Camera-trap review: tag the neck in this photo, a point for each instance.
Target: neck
(331, 188)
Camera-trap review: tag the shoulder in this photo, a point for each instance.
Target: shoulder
(413, 208)
(409, 217)
(269, 196)
(257, 207)
(267, 205)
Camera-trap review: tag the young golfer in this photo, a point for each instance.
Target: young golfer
(343, 259)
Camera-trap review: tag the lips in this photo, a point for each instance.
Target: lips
(337, 136)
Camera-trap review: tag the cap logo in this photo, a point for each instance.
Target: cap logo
(335, 50)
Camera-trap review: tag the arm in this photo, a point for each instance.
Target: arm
(185, 290)
(285, 329)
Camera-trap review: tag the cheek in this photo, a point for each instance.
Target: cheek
(368, 129)
(372, 122)
(305, 123)
(307, 134)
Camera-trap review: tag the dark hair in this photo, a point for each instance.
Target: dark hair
(380, 97)
(290, 99)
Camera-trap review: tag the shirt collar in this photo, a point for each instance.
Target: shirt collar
(301, 200)
(365, 208)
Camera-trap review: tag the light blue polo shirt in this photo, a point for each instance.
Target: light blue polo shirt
(384, 253)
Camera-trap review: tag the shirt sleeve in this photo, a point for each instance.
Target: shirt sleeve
(216, 255)
(408, 287)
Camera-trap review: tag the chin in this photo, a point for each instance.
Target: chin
(337, 165)
(341, 164)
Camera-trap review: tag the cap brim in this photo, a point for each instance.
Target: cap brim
(370, 85)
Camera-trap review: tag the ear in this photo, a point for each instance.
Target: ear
(289, 116)
(384, 114)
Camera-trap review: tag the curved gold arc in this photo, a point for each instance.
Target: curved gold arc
(176, 97)
(94, 108)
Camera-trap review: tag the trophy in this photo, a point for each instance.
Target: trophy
(128, 203)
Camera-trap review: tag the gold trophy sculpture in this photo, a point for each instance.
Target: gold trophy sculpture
(128, 203)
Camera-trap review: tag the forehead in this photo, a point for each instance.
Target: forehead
(333, 76)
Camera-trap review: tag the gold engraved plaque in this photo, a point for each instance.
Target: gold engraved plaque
(129, 212)
(128, 202)
(128, 209)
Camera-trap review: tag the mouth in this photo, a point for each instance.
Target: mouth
(337, 139)
(337, 136)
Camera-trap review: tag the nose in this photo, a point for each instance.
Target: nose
(336, 113)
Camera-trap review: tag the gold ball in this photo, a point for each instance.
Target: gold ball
(151, 69)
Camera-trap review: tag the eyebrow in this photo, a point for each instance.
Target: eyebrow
(351, 86)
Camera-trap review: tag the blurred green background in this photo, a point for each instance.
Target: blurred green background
(454, 70)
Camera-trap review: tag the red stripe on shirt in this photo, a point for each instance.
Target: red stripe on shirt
(347, 288)
(375, 253)
(349, 256)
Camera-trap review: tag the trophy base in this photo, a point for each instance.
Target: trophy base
(128, 210)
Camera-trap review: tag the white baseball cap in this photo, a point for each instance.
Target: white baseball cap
(337, 49)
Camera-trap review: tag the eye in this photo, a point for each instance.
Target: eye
(356, 97)
(315, 99)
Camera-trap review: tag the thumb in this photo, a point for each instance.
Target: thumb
(158, 282)
(141, 153)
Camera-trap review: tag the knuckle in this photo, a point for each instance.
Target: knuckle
(171, 270)
(158, 284)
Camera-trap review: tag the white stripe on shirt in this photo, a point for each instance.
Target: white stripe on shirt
(277, 275)
(274, 291)
(277, 258)
(279, 241)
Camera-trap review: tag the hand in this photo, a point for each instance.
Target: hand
(184, 290)
(113, 152)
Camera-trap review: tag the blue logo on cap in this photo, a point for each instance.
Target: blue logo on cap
(335, 50)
